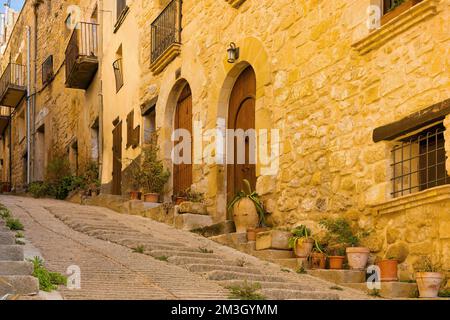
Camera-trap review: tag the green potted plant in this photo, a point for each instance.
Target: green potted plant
(135, 178)
(388, 268)
(429, 278)
(247, 209)
(154, 176)
(341, 232)
(336, 257)
(301, 241)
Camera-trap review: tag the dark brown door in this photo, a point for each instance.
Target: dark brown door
(241, 115)
(117, 160)
(182, 173)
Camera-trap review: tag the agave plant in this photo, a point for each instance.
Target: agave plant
(299, 234)
(247, 192)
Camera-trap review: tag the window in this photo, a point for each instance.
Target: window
(149, 124)
(118, 69)
(418, 162)
(121, 13)
(21, 126)
(47, 70)
(393, 8)
(132, 133)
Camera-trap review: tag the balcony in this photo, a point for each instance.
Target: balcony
(5, 113)
(82, 56)
(13, 85)
(166, 36)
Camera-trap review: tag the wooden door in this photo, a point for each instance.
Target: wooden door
(182, 173)
(117, 160)
(241, 115)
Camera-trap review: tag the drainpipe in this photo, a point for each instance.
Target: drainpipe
(100, 111)
(28, 106)
(10, 149)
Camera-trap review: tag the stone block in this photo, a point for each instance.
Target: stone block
(192, 221)
(11, 268)
(231, 239)
(340, 276)
(11, 253)
(24, 285)
(273, 239)
(216, 229)
(271, 254)
(192, 207)
(7, 238)
(389, 289)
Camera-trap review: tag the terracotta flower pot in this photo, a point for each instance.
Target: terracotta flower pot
(245, 215)
(318, 260)
(336, 262)
(252, 232)
(179, 200)
(151, 197)
(135, 195)
(357, 257)
(303, 248)
(388, 270)
(429, 283)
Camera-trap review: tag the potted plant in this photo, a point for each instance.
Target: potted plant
(135, 177)
(388, 269)
(318, 257)
(336, 257)
(154, 176)
(179, 198)
(341, 231)
(247, 208)
(428, 278)
(301, 241)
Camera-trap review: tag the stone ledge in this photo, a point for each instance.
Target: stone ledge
(399, 24)
(429, 196)
(235, 3)
(171, 53)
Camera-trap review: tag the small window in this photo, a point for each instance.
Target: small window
(132, 132)
(118, 74)
(149, 124)
(418, 162)
(47, 70)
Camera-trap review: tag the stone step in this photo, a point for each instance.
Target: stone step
(214, 267)
(389, 289)
(268, 284)
(231, 239)
(291, 263)
(7, 238)
(170, 253)
(11, 253)
(339, 276)
(230, 275)
(287, 294)
(248, 247)
(271, 254)
(153, 243)
(183, 260)
(25, 285)
(190, 222)
(11, 268)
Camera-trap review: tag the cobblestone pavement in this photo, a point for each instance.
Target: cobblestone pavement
(174, 264)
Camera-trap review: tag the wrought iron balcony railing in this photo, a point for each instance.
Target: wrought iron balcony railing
(82, 56)
(166, 30)
(12, 85)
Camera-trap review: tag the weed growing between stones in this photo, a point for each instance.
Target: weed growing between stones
(139, 249)
(162, 258)
(246, 292)
(48, 281)
(205, 250)
(336, 288)
(14, 224)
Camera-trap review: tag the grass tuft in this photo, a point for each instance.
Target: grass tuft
(48, 281)
(139, 249)
(246, 292)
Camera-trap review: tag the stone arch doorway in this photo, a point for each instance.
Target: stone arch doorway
(182, 172)
(241, 116)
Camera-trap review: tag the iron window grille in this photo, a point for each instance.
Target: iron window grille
(47, 70)
(418, 162)
(118, 73)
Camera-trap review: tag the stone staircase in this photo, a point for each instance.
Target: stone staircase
(15, 273)
(279, 284)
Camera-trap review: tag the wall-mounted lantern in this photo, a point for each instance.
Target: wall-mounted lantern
(233, 53)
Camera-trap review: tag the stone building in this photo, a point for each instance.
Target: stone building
(44, 84)
(358, 92)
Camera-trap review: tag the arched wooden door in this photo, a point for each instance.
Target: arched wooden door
(182, 173)
(241, 115)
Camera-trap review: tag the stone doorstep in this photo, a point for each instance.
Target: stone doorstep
(388, 289)
(273, 239)
(231, 239)
(11, 253)
(339, 276)
(7, 238)
(12, 268)
(24, 285)
(192, 221)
